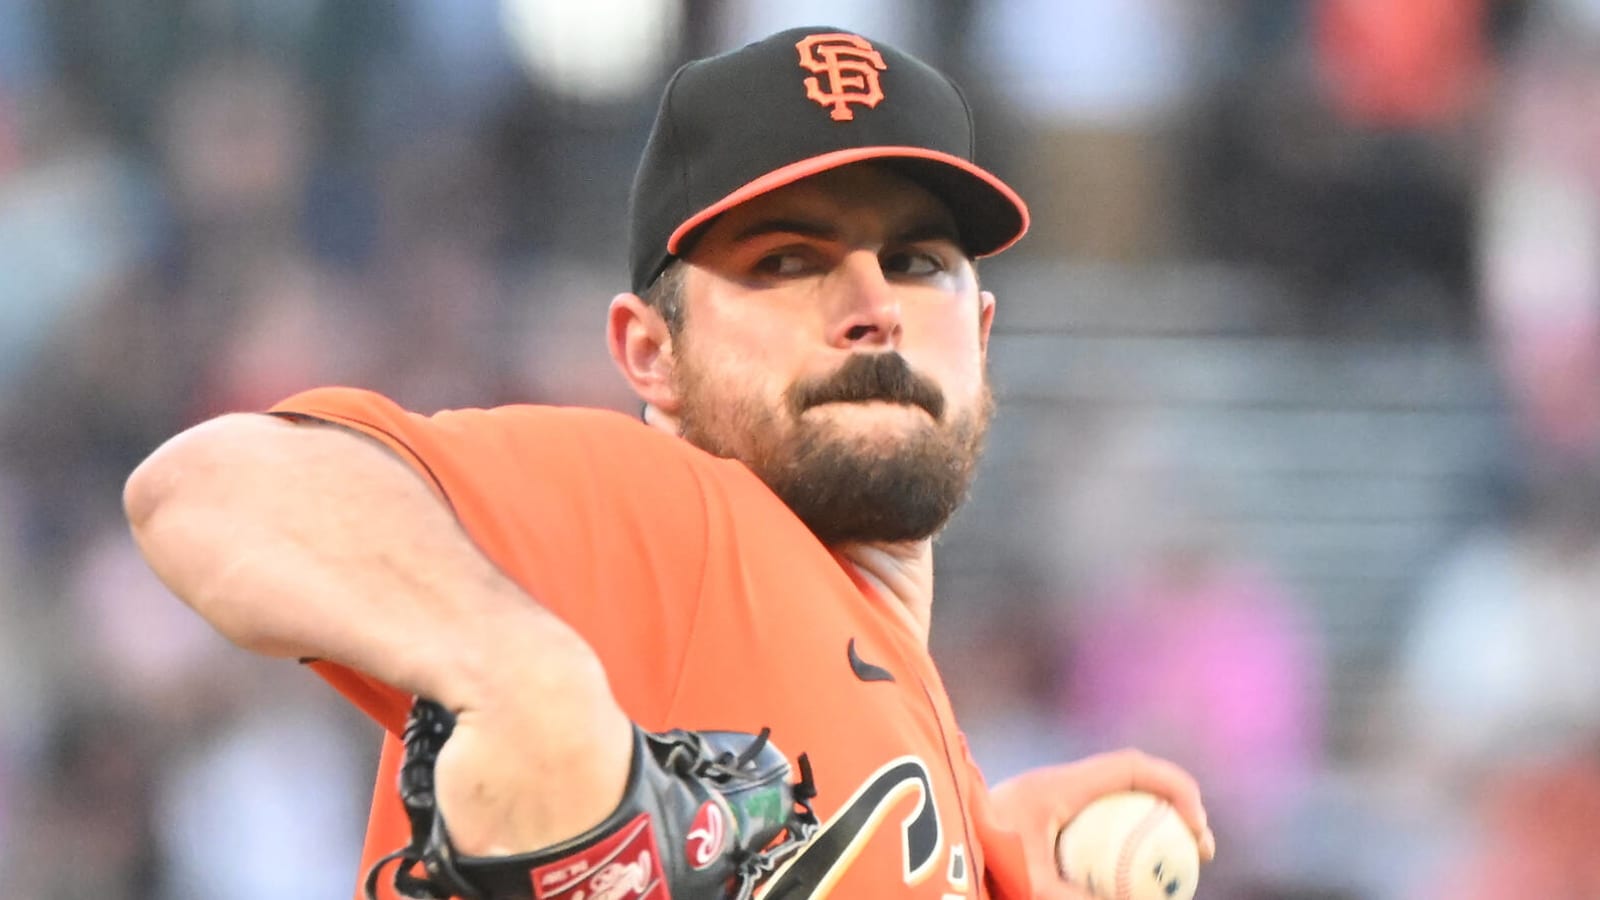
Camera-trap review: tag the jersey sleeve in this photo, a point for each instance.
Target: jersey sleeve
(598, 517)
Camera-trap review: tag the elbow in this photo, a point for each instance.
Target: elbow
(172, 513)
(160, 478)
(149, 485)
(164, 495)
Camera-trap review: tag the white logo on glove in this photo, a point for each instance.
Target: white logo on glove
(706, 834)
(617, 880)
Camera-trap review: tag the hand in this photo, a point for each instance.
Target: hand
(1039, 803)
(534, 759)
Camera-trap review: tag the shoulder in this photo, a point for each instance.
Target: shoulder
(527, 436)
(598, 437)
(360, 406)
(535, 418)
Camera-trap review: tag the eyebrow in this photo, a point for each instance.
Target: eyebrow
(929, 231)
(922, 231)
(764, 227)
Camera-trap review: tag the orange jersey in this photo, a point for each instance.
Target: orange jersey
(712, 607)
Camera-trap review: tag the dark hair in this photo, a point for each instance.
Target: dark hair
(665, 296)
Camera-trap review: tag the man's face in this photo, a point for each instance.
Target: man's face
(833, 341)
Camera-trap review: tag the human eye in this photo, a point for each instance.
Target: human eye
(913, 263)
(784, 263)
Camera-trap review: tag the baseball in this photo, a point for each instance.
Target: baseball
(1129, 846)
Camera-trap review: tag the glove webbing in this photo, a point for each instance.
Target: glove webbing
(426, 731)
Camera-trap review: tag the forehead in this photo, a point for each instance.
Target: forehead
(863, 194)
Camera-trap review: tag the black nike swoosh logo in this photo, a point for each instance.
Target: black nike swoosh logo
(864, 670)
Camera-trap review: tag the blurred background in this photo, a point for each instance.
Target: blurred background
(1296, 478)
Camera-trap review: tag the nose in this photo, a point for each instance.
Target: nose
(868, 306)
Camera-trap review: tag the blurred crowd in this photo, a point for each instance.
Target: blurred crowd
(206, 205)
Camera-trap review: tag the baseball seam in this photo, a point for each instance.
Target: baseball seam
(1131, 845)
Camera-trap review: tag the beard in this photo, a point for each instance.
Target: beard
(847, 488)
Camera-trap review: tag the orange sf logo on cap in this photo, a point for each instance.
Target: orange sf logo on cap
(851, 66)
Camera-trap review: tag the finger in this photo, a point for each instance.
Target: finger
(1167, 779)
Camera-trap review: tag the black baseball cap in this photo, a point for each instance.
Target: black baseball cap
(735, 126)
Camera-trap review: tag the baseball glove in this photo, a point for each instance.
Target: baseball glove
(705, 815)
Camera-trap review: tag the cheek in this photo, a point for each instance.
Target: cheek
(749, 361)
(729, 384)
(965, 385)
(952, 352)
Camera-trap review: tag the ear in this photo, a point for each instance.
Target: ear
(985, 320)
(641, 346)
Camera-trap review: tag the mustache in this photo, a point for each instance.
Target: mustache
(866, 377)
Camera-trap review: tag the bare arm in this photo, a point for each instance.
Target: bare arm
(296, 540)
(308, 540)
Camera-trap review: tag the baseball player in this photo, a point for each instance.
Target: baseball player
(683, 656)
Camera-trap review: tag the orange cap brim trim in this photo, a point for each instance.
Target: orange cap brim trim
(805, 168)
